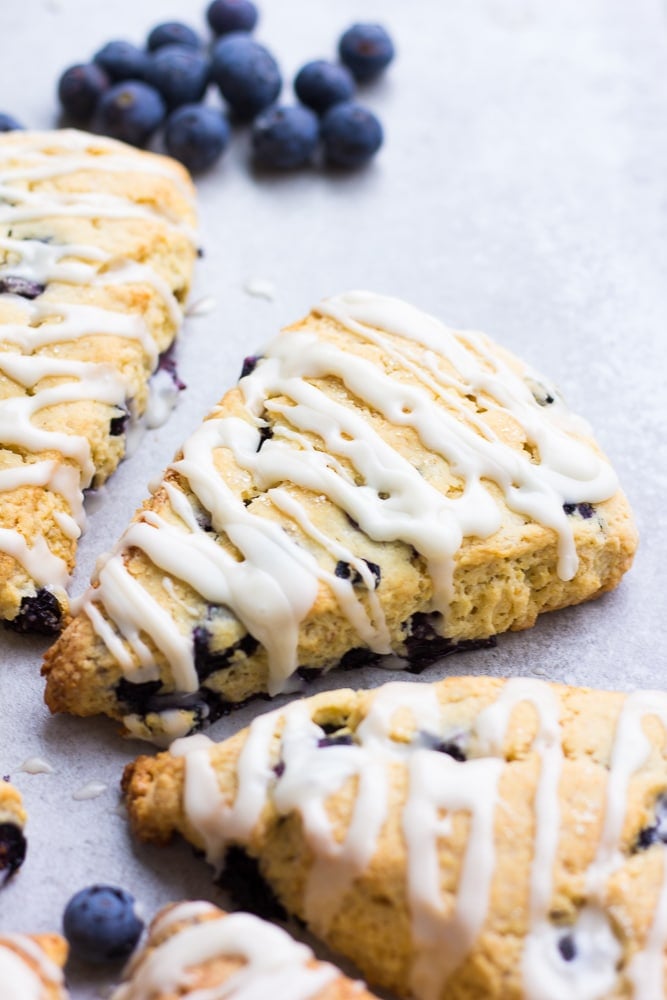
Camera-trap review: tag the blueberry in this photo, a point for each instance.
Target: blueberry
(130, 111)
(345, 572)
(80, 88)
(321, 84)
(13, 847)
(249, 365)
(585, 510)
(657, 832)
(424, 645)
(231, 15)
(208, 661)
(351, 134)
(9, 124)
(179, 73)
(336, 740)
(101, 924)
(40, 613)
(196, 135)
(567, 947)
(173, 33)
(246, 73)
(167, 363)
(285, 137)
(118, 423)
(122, 61)
(366, 49)
(14, 284)
(451, 747)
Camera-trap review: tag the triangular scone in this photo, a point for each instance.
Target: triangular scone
(96, 256)
(12, 838)
(377, 484)
(470, 838)
(31, 966)
(195, 949)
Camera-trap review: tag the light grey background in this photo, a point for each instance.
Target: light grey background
(522, 190)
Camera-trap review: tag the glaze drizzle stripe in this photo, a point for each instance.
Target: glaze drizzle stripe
(19, 980)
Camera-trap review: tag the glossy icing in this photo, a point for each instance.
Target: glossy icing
(25, 970)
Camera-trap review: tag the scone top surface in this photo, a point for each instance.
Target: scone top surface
(31, 967)
(471, 838)
(375, 481)
(96, 254)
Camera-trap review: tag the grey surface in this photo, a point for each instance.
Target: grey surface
(522, 190)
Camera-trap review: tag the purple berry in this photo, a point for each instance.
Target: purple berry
(173, 33)
(231, 15)
(16, 284)
(321, 84)
(285, 137)
(366, 49)
(13, 846)
(351, 134)
(80, 88)
(101, 924)
(122, 60)
(9, 124)
(196, 135)
(179, 73)
(130, 111)
(246, 73)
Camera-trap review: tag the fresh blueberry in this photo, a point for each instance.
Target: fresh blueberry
(366, 49)
(15, 284)
(246, 73)
(179, 73)
(122, 61)
(351, 134)
(130, 111)
(9, 124)
(101, 924)
(80, 88)
(196, 135)
(173, 33)
(231, 15)
(285, 137)
(13, 846)
(321, 84)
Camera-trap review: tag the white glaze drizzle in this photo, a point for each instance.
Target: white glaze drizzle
(47, 322)
(273, 586)
(443, 933)
(273, 964)
(19, 980)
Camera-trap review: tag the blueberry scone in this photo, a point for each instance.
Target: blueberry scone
(470, 838)
(376, 486)
(96, 255)
(12, 838)
(31, 967)
(195, 949)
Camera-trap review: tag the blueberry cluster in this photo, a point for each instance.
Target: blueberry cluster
(129, 93)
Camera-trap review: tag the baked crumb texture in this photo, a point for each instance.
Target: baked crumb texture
(194, 946)
(31, 966)
(469, 838)
(378, 488)
(96, 255)
(13, 843)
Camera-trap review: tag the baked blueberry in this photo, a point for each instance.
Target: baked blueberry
(351, 134)
(249, 365)
(196, 135)
(424, 645)
(657, 832)
(345, 572)
(224, 16)
(118, 423)
(80, 88)
(321, 84)
(14, 284)
(130, 111)
(122, 60)
(585, 510)
(179, 73)
(40, 613)
(9, 124)
(453, 746)
(336, 740)
(285, 137)
(207, 660)
(172, 33)
(366, 49)
(13, 847)
(101, 924)
(246, 73)
(567, 947)
(243, 878)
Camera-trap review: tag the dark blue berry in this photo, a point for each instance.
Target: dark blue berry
(40, 613)
(345, 572)
(130, 111)
(9, 124)
(101, 924)
(321, 84)
(249, 365)
(657, 832)
(246, 73)
(122, 60)
(336, 740)
(567, 947)
(451, 747)
(585, 510)
(173, 33)
(179, 73)
(13, 846)
(196, 135)
(351, 134)
(231, 15)
(80, 88)
(118, 423)
(14, 284)
(285, 137)
(366, 49)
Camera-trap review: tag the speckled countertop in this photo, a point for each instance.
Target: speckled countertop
(523, 191)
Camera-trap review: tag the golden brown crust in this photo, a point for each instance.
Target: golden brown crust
(46, 963)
